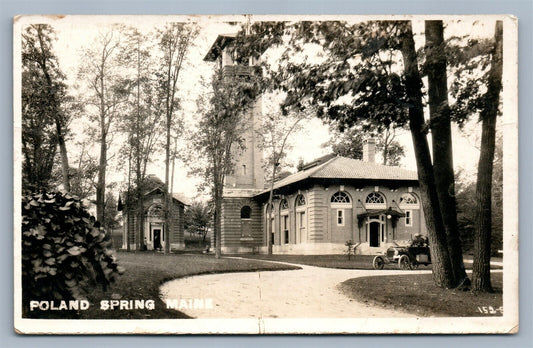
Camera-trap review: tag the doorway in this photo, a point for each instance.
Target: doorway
(374, 232)
(157, 239)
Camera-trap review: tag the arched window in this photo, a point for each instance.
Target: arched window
(408, 198)
(246, 212)
(341, 201)
(375, 198)
(340, 197)
(409, 201)
(300, 201)
(284, 204)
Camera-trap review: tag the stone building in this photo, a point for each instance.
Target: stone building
(318, 209)
(153, 220)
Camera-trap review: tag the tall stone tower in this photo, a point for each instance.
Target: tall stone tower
(241, 215)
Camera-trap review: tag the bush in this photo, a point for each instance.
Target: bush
(350, 248)
(64, 251)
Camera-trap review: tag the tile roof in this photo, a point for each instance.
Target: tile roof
(348, 168)
(182, 198)
(176, 195)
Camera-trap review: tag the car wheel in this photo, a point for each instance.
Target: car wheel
(403, 262)
(378, 262)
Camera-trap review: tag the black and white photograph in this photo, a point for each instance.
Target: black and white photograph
(265, 174)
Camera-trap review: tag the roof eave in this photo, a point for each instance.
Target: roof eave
(215, 50)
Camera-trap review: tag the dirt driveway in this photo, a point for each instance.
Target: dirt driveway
(311, 292)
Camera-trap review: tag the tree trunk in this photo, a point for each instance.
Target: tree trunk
(138, 155)
(218, 220)
(276, 159)
(100, 186)
(482, 233)
(56, 110)
(171, 193)
(64, 156)
(387, 139)
(169, 103)
(140, 212)
(385, 153)
(442, 268)
(167, 186)
(442, 143)
(128, 205)
(269, 211)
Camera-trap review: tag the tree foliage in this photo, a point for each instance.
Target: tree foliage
(105, 102)
(175, 40)
(219, 134)
(357, 81)
(469, 64)
(274, 136)
(465, 192)
(367, 74)
(274, 139)
(466, 205)
(83, 177)
(198, 218)
(142, 122)
(64, 251)
(111, 221)
(349, 143)
(44, 120)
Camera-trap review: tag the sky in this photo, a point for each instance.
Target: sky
(76, 33)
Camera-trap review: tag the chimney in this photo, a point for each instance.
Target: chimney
(369, 150)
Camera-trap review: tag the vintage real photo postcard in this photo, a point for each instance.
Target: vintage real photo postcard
(265, 174)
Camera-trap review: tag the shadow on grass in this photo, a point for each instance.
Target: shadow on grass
(417, 294)
(146, 271)
(328, 261)
(338, 261)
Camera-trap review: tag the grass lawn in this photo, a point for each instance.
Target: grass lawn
(416, 293)
(145, 271)
(340, 261)
(329, 261)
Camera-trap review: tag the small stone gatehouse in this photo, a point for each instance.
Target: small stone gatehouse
(153, 218)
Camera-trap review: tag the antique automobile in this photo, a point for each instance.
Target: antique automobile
(408, 257)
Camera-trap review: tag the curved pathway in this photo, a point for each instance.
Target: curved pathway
(311, 292)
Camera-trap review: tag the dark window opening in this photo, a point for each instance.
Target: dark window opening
(246, 212)
(300, 201)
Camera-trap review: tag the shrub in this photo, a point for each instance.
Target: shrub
(64, 251)
(350, 248)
